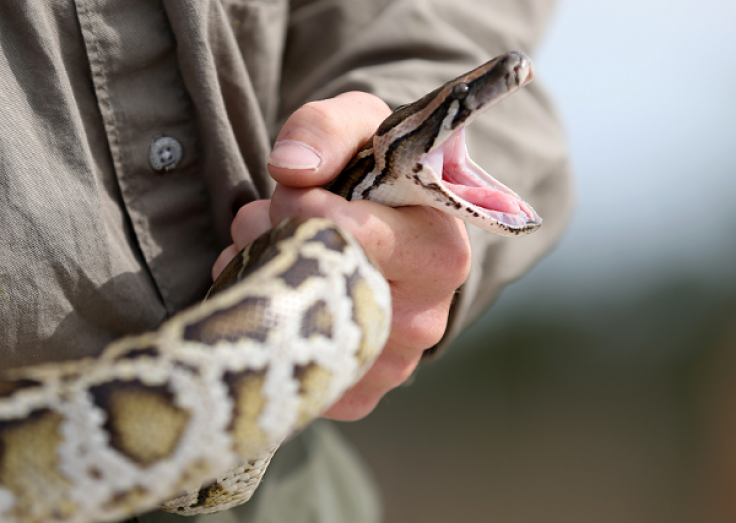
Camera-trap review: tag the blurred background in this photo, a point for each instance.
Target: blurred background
(602, 386)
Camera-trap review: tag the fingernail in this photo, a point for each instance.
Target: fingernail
(289, 154)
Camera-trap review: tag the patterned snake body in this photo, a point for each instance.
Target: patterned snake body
(293, 322)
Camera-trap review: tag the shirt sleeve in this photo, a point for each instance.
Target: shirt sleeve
(401, 49)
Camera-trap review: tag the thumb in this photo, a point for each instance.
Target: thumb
(320, 138)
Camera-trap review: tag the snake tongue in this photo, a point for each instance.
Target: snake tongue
(469, 182)
(485, 197)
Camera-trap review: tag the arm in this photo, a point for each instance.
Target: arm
(406, 242)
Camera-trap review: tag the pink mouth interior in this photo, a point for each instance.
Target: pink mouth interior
(468, 182)
(485, 197)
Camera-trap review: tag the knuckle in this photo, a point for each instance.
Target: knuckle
(458, 266)
(325, 114)
(423, 331)
(376, 105)
(393, 369)
(250, 221)
(403, 372)
(353, 406)
(240, 218)
(456, 260)
(223, 260)
(446, 254)
(447, 268)
(430, 336)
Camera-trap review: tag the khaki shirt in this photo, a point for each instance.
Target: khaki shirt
(96, 244)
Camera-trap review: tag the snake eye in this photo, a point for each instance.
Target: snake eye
(460, 91)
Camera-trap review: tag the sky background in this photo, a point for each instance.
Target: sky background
(647, 91)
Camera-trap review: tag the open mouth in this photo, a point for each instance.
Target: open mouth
(475, 188)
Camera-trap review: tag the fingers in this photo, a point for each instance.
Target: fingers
(388, 372)
(423, 253)
(313, 146)
(318, 140)
(222, 260)
(418, 243)
(251, 221)
(419, 321)
(425, 256)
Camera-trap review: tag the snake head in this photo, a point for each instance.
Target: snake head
(484, 86)
(423, 143)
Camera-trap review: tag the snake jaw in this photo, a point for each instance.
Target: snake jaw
(476, 196)
(474, 191)
(418, 142)
(492, 82)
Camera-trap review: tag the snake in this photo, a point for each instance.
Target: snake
(186, 417)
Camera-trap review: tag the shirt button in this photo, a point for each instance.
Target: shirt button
(165, 153)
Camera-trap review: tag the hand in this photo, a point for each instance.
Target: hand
(423, 253)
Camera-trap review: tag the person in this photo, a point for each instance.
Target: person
(136, 142)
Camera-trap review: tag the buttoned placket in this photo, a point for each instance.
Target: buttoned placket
(152, 135)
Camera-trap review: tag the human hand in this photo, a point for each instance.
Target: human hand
(423, 253)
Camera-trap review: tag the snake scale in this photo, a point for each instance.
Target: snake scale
(194, 410)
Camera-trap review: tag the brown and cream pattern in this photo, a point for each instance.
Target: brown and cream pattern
(195, 410)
